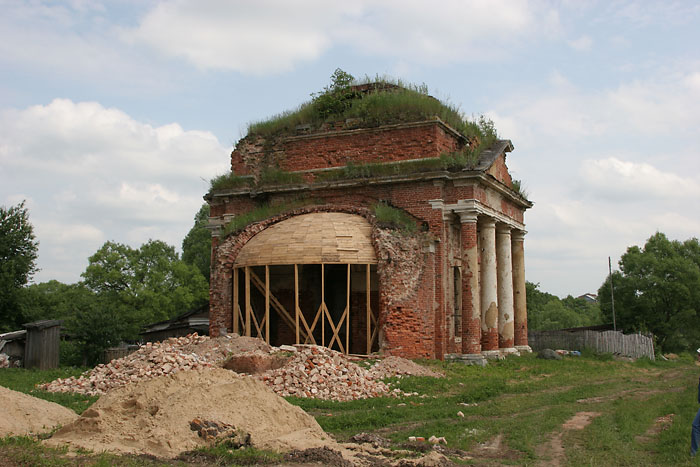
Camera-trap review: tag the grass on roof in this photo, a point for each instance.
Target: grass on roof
(386, 102)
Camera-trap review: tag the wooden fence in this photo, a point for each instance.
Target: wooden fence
(630, 345)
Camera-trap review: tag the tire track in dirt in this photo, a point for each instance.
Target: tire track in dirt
(554, 449)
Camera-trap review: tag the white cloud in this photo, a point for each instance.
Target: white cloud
(96, 174)
(626, 180)
(270, 36)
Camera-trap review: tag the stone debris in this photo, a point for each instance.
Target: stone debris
(302, 370)
(321, 373)
(460, 414)
(4, 361)
(370, 438)
(151, 360)
(436, 440)
(220, 433)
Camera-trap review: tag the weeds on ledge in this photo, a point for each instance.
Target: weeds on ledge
(393, 217)
(518, 188)
(263, 212)
(229, 180)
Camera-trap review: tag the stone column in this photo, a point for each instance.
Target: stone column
(489, 292)
(505, 289)
(471, 306)
(518, 238)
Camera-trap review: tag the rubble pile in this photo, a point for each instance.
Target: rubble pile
(302, 370)
(4, 361)
(321, 373)
(151, 360)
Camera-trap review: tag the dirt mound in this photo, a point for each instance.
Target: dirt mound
(397, 366)
(23, 414)
(154, 416)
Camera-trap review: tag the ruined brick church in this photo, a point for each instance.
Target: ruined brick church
(401, 235)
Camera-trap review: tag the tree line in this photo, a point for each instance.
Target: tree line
(656, 289)
(121, 290)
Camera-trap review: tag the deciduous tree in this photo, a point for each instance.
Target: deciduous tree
(658, 289)
(18, 254)
(196, 246)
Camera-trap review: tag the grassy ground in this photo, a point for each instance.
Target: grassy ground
(515, 413)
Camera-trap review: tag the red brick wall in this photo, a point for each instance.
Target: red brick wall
(500, 171)
(337, 148)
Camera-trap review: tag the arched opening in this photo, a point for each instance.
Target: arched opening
(311, 279)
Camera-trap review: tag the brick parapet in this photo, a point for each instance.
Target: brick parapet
(335, 148)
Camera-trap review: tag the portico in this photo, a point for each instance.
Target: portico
(493, 281)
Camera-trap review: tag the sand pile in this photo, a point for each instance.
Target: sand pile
(23, 414)
(154, 416)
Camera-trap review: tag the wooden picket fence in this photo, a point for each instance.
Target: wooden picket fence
(629, 345)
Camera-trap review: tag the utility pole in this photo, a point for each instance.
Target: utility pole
(612, 294)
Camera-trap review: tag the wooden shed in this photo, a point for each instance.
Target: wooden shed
(41, 349)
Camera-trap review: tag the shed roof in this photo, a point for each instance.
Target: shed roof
(324, 237)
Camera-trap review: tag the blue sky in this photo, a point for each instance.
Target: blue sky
(114, 115)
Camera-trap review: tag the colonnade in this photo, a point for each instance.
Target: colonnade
(494, 308)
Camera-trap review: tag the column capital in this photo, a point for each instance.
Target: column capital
(518, 235)
(488, 223)
(503, 228)
(467, 216)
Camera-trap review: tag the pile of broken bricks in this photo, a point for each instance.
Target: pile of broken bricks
(149, 361)
(301, 370)
(321, 373)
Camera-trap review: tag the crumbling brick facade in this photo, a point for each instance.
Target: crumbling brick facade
(437, 288)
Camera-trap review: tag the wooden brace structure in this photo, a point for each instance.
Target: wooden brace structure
(251, 324)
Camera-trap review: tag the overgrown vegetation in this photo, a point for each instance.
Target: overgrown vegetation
(385, 102)
(523, 399)
(367, 103)
(228, 181)
(520, 189)
(392, 217)
(449, 161)
(274, 176)
(263, 212)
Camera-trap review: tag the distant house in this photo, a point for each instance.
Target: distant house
(195, 320)
(589, 297)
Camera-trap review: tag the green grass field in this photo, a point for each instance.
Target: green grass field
(515, 413)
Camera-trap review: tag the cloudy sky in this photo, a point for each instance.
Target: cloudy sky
(115, 114)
